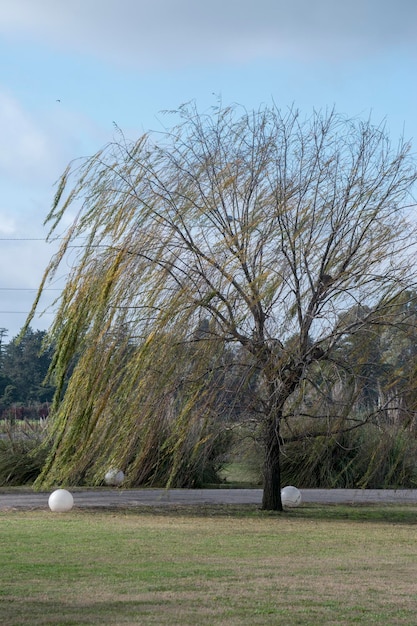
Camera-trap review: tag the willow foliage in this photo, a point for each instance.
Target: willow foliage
(270, 227)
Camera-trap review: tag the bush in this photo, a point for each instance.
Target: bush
(21, 454)
(369, 457)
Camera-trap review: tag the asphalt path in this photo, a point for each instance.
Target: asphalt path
(114, 498)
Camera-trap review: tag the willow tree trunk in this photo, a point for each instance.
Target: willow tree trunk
(271, 500)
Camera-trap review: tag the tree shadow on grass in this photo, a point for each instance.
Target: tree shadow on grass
(384, 513)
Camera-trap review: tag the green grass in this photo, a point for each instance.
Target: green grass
(241, 474)
(209, 565)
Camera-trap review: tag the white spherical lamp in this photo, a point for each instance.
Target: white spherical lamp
(291, 497)
(114, 477)
(60, 501)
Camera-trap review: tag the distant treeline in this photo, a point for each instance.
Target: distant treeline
(386, 384)
(23, 368)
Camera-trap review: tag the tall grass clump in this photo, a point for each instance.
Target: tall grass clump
(372, 457)
(22, 454)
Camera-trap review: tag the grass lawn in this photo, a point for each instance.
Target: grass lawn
(241, 474)
(209, 565)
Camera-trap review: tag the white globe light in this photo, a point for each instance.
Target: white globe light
(60, 501)
(291, 497)
(114, 477)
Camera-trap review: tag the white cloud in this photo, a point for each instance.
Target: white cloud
(168, 33)
(7, 224)
(27, 153)
(36, 147)
(23, 263)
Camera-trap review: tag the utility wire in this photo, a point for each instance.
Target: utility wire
(24, 312)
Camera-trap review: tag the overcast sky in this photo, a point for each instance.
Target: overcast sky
(70, 69)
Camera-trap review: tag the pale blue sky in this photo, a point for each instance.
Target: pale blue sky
(125, 61)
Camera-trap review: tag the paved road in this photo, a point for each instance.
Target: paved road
(162, 497)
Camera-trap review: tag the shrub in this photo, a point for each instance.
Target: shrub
(369, 457)
(21, 454)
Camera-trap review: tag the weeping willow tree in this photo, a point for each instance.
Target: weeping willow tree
(266, 227)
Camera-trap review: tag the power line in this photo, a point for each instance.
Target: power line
(24, 312)
(39, 238)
